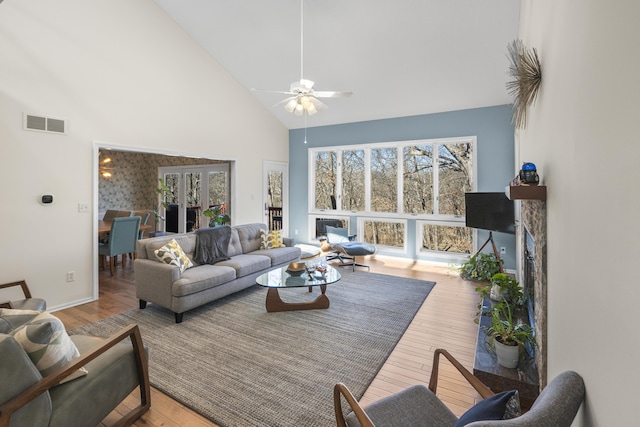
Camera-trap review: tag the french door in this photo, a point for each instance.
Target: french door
(193, 190)
(275, 185)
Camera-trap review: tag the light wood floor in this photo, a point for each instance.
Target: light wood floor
(444, 321)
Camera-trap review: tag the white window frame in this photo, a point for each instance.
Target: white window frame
(434, 218)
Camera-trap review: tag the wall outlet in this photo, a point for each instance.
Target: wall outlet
(503, 250)
(83, 207)
(71, 276)
(296, 231)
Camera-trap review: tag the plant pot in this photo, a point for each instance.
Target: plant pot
(508, 355)
(496, 293)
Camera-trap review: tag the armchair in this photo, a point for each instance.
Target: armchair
(417, 406)
(115, 368)
(346, 248)
(27, 303)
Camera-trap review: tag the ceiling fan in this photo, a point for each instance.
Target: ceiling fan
(304, 98)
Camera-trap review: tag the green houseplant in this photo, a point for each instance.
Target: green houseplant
(508, 335)
(217, 215)
(165, 193)
(505, 287)
(480, 267)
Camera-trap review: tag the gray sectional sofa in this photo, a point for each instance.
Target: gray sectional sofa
(165, 285)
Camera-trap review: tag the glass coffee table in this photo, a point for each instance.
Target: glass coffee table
(281, 278)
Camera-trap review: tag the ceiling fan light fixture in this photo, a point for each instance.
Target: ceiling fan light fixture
(291, 105)
(299, 110)
(311, 109)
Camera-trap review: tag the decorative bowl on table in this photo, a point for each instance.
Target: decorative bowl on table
(296, 268)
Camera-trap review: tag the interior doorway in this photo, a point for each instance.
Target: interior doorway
(133, 182)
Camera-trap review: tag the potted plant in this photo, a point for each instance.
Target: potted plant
(217, 215)
(165, 193)
(505, 287)
(508, 335)
(480, 267)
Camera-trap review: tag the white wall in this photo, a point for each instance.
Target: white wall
(583, 136)
(121, 72)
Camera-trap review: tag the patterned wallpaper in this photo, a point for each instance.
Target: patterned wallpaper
(134, 179)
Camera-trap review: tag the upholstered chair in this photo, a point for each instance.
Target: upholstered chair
(418, 406)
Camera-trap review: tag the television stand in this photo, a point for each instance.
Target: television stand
(495, 250)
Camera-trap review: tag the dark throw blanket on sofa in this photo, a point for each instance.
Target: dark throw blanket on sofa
(212, 244)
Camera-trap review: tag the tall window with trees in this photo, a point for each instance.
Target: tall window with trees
(387, 184)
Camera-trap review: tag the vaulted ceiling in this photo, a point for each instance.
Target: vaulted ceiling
(398, 57)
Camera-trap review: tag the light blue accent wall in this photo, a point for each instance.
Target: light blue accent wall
(495, 154)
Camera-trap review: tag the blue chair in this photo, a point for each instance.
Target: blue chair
(347, 249)
(122, 240)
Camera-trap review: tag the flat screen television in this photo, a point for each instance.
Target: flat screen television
(489, 211)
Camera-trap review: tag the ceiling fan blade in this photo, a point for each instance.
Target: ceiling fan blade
(273, 91)
(319, 104)
(331, 94)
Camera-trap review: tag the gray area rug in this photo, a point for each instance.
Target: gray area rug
(238, 365)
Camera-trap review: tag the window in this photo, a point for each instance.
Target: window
(326, 179)
(396, 182)
(353, 180)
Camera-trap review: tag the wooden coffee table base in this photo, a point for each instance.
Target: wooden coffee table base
(274, 302)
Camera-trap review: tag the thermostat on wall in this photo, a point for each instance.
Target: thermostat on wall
(46, 199)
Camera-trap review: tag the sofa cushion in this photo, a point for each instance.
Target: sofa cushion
(246, 264)
(280, 255)
(186, 241)
(11, 319)
(47, 344)
(250, 236)
(202, 277)
(271, 239)
(172, 254)
(235, 248)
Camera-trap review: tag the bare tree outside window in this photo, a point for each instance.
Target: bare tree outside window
(417, 182)
(325, 178)
(454, 164)
(435, 176)
(275, 188)
(384, 180)
(447, 239)
(218, 188)
(386, 233)
(171, 180)
(353, 180)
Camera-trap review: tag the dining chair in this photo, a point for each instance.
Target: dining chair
(123, 236)
(110, 214)
(144, 215)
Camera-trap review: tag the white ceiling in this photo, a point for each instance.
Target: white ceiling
(398, 57)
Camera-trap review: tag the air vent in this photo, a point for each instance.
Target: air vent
(44, 124)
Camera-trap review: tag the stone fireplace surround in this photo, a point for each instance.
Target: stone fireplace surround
(533, 219)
